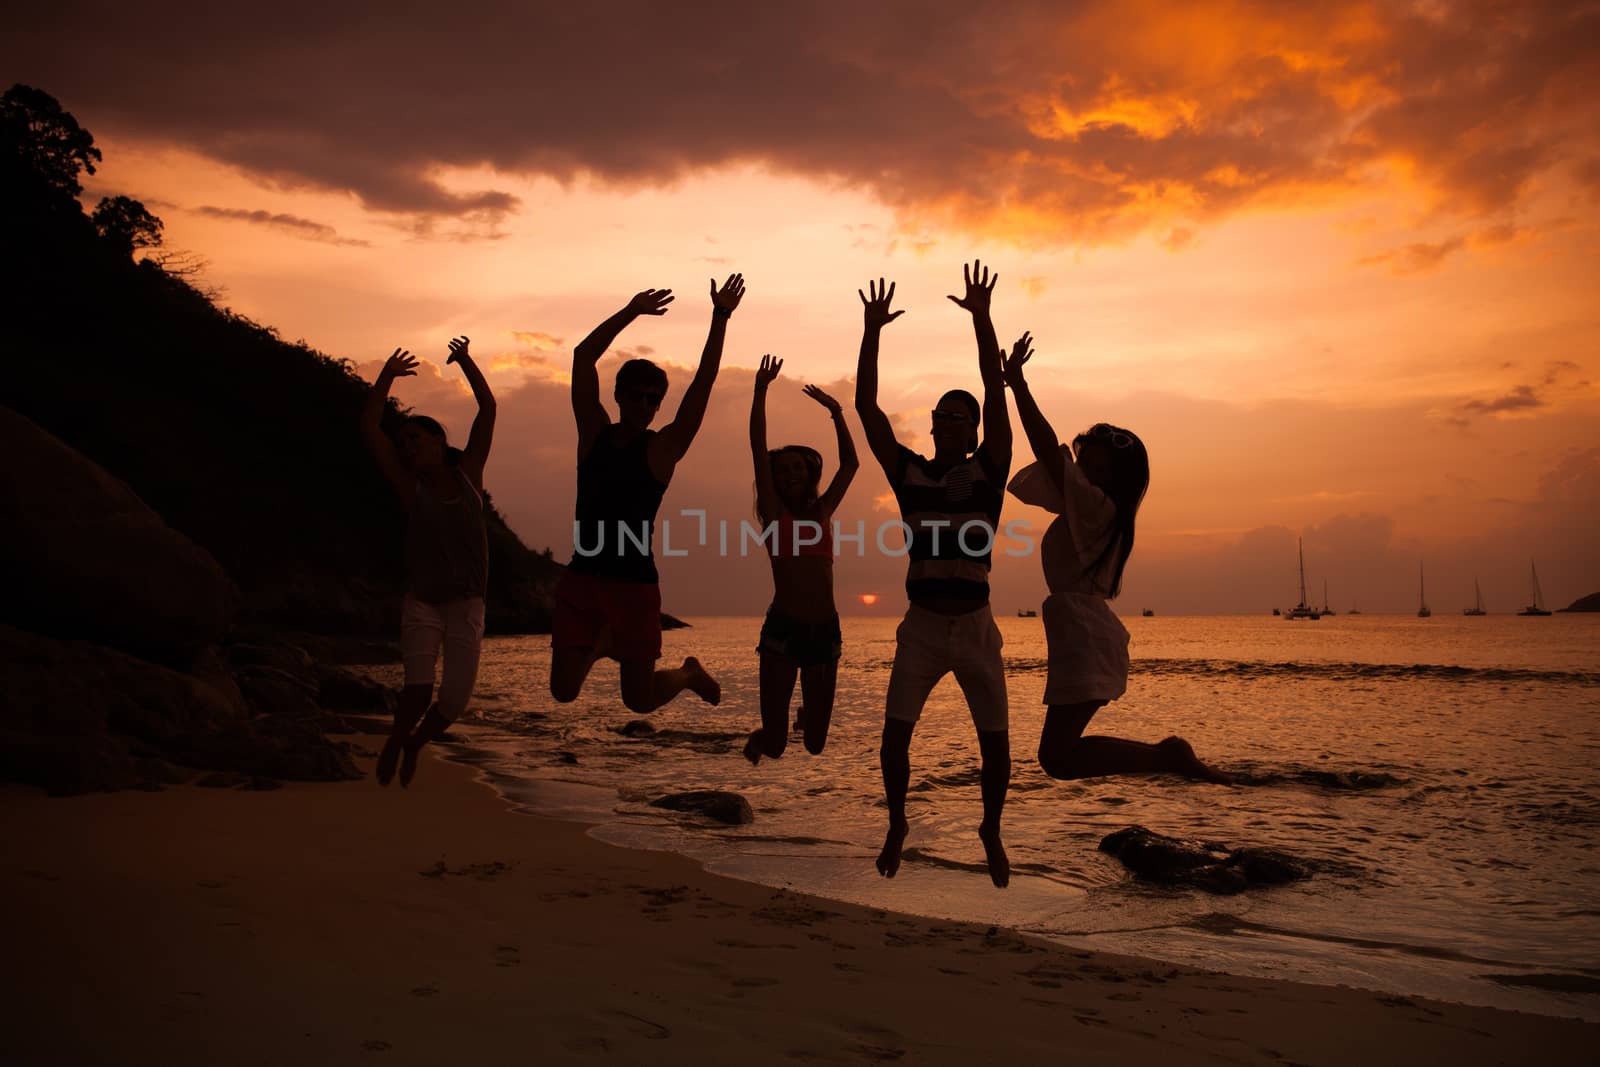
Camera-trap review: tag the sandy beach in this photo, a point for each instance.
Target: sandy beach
(335, 923)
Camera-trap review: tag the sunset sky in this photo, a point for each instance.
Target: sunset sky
(1336, 263)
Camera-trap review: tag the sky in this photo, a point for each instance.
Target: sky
(1334, 262)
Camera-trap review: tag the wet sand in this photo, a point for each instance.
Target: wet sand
(346, 923)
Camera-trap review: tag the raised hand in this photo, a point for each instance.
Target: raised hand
(650, 302)
(400, 364)
(767, 373)
(980, 287)
(727, 298)
(822, 398)
(458, 349)
(876, 307)
(1021, 352)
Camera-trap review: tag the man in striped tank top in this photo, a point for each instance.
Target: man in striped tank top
(951, 503)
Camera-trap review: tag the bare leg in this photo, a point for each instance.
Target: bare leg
(995, 779)
(414, 700)
(1065, 753)
(644, 689)
(433, 724)
(894, 757)
(569, 669)
(777, 689)
(817, 685)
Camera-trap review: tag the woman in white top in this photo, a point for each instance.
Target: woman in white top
(1094, 487)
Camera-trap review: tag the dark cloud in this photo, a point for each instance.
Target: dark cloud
(290, 224)
(1522, 398)
(1049, 122)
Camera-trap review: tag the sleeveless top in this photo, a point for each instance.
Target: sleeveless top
(937, 504)
(618, 499)
(447, 548)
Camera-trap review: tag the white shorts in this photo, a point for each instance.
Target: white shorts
(457, 627)
(1088, 657)
(929, 645)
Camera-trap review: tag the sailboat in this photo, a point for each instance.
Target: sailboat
(1354, 610)
(1537, 607)
(1422, 596)
(1477, 604)
(1325, 609)
(1302, 610)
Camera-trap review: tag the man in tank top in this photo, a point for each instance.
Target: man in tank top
(609, 601)
(951, 503)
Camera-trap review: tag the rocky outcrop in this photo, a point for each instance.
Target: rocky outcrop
(83, 557)
(82, 717)
(1205, 865)
(724, 807)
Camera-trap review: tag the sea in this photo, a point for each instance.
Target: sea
(1441, 777)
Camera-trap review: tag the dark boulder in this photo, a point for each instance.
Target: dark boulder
(1206, 865)
(724, 807)
(637, 728)
(83, 557)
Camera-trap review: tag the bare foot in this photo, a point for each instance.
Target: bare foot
(994, 853)
(408, 763)
(752, 748)
(388, 758)
(1186, 763)
(703, 685)
(889, 858)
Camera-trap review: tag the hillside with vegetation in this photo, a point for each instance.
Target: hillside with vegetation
(245, 443)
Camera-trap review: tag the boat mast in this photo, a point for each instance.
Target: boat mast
(1301, 545)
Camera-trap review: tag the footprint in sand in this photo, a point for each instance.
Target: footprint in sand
(507, 956)
(425, 991)
(376, 1045)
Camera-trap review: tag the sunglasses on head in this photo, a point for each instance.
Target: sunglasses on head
(950, 416)
(1106, 433)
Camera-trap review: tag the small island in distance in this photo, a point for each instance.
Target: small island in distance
(1583, 603)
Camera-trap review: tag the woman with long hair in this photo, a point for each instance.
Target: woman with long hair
(800, 636)
(1094, 487)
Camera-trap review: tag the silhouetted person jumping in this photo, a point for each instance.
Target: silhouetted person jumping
(801, 632)
(1094, 488)
(952, 505)
(609, 601)
(447, 556)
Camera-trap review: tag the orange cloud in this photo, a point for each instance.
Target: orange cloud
(1041, 124)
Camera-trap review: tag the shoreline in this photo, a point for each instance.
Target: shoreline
(340, 921)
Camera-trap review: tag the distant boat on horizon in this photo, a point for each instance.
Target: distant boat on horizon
(1147, 613)
(1302, 610)
(1325, 609)
(1537, 607)
(1027, 613)
(1423, 611)
(1353, 609)
(1477, 601)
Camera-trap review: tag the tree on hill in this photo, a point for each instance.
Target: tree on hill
(126, 225)
(42, 145)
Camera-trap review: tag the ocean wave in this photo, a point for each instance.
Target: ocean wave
(1248, 670)
(1357, 780)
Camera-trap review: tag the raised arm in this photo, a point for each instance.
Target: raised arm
(875, 316)
(996, 417)
(1041, 435)
(476, 455)
(586, 407)
(671, 444)
(848, 463)
(767, 504)
(400, 364)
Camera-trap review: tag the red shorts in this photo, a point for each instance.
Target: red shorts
(587, 605)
